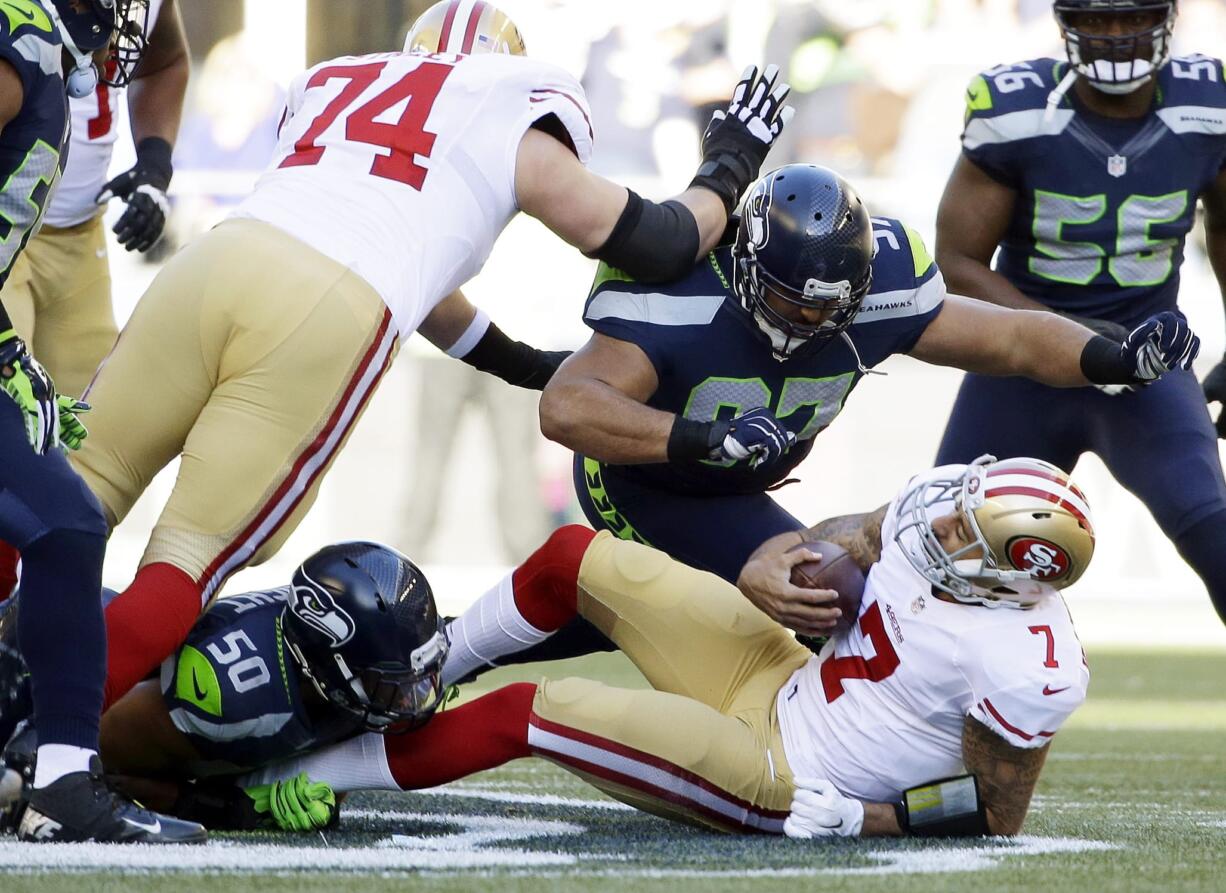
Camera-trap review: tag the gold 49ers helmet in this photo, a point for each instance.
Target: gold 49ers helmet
(1027, 524)
(464, 27)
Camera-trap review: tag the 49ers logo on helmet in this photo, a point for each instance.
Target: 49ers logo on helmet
(1043, 558)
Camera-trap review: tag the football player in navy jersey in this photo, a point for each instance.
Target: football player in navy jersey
(690, 401)
(353, 644)
(45, 509)
(1085, 173)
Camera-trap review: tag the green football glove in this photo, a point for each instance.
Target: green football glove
(30, 387)
(296, 804)
(72, 430)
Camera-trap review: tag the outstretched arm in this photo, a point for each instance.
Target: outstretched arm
(655, 242)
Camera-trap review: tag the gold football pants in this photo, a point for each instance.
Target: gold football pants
(58, 295)
(704, 745)
(252, 356)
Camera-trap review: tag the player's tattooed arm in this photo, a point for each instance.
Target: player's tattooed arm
(860, 535)
(1006, 774)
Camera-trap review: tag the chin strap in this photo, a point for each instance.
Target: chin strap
(1056, 96)
(83, 79)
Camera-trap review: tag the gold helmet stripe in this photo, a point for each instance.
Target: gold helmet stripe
(1022, 483)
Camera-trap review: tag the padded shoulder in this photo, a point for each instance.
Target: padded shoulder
(1009, 103)
(1194, 95)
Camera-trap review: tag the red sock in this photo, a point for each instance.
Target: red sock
(481, 734)
(547, 584)
(145, 624)
(8, 570)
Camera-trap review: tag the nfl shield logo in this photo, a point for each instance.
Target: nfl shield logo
(1117, 165)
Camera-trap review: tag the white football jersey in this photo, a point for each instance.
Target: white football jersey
(89, 155)
(402, 166)
(881, 709)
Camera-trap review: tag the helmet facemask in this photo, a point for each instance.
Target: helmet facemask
(131, 40)
(1116, 64)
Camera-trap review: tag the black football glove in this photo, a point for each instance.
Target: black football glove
(736, 141)
(143, 189)
(1215, 392)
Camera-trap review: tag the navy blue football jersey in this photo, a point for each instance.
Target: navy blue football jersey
(34, 145)
(233, 689)
(1104, 204)
(714, 362)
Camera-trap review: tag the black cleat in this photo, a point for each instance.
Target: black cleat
(79, 807)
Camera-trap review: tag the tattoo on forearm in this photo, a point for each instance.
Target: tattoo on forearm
(860, 535)
(1006, 774)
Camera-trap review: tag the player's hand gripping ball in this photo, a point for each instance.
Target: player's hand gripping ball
(835, 570)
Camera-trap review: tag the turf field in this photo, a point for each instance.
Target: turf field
(1133, 798)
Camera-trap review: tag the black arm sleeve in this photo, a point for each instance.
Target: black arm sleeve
(514, 362)
(5, 322)
(1102, 362)
(651, 242)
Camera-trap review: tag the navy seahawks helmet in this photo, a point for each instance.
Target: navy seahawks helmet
(362, 625)
(804, 237)
(87, 26)
(1123, 62)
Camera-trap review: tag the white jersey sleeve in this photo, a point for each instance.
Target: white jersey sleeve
(1029, 676)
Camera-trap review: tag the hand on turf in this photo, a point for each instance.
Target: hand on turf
(756, 436)
(766, 580)
(819, 810)
(31, 388)
(1215, 392)
(296, 804)
(1162, 343)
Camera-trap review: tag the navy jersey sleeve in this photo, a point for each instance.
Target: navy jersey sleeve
(907, 293)
(654, 317)
(1006, 110)
(30, 43)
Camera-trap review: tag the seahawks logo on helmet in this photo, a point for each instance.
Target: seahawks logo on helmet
(316, 608)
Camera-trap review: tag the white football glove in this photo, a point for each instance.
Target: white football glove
(819, 810)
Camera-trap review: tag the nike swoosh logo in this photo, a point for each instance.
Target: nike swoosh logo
(200, 695)
(832, 827)
(1048, 690)
(154, 828)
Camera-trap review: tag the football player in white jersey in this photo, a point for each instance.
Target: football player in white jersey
(931, 715)
(59, 290)
(258, 346)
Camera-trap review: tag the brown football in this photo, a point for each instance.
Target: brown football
(838, 571)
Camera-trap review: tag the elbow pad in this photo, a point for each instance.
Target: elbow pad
(652, 242)
(947, 808)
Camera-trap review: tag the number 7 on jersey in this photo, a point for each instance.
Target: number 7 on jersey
(406, 138)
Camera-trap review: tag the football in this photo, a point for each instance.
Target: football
(837, 570)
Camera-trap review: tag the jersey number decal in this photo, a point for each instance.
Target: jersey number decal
(880, 666)
(1138, 259)
(1045, 630)
(26, 192)
(718, 397)
(246, 674)
(100, 125)
(406, 138)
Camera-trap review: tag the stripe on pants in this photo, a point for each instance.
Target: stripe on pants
(650, 775)
(309, 464)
